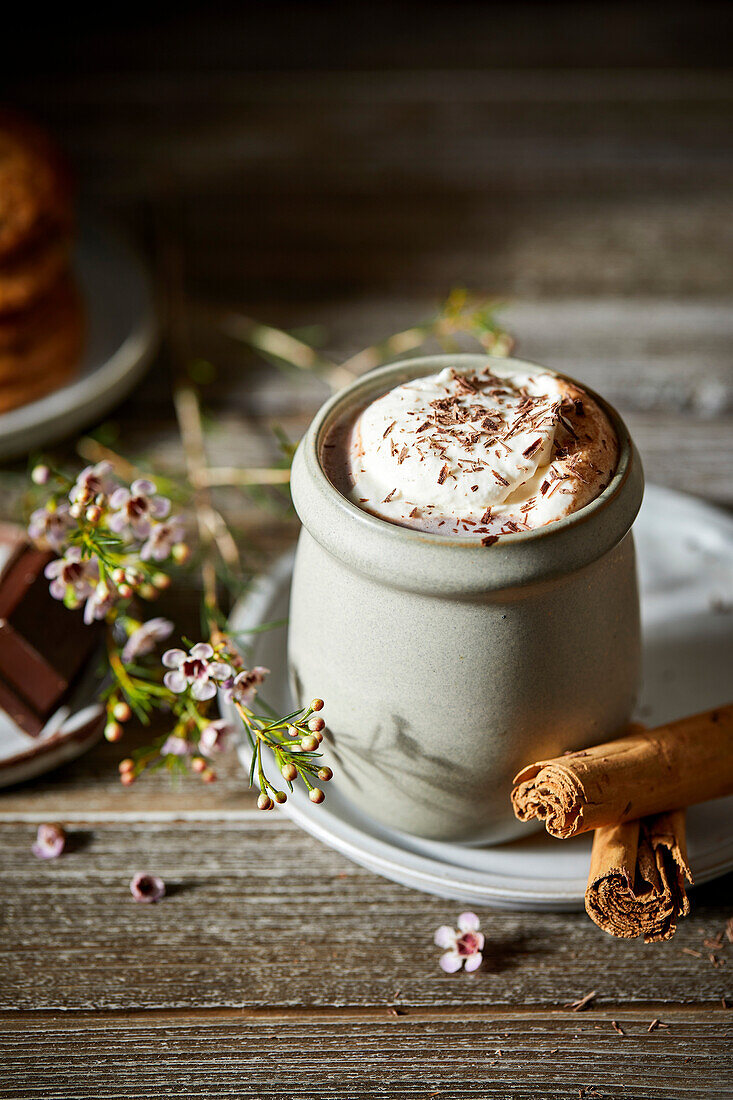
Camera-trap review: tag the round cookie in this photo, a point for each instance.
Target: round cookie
(40, 356)
(34, 186)
(29, 274)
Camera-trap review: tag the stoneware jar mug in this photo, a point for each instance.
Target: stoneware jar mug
(446, 666)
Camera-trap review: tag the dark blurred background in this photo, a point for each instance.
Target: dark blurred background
(349, 164)
(312, 150)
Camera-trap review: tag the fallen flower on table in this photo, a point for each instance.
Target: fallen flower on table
(145, 887)
(50, 842)
(463, 946)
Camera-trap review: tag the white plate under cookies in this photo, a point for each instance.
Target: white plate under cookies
(685, 550)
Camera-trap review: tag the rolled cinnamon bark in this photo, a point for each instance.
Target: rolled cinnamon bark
(637, 877)
(646, 772)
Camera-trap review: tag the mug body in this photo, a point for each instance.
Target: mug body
(446, 666)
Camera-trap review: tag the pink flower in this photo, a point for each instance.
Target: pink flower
(463, 946)
(93, 480)
(162, 539)
(133, 508)
(216, 737)
(175, 746)
(74, 574)
(99, 603)
(144, 640)
(144, 887)
(195, 670)
(50, 842)
(243, 687)
(50, 527)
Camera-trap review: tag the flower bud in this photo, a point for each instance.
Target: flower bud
(309, 743)
(317, 704)
(325, 774)
(40, 475)
(316, 795)
(289, 772)
(121, 711)
(94, 513)
(293, 731)
(161, 581)
(180, 553)
(113, 731)
(316, 725)
(264, 802)
(76, 511)
(119, 576)
(198, 764)
(127, 778)
(148, 592)
(208, 775)
(133, 576)
(280, 797)
(126, 765)
(125, 591)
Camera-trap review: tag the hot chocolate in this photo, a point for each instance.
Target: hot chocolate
(474, 454)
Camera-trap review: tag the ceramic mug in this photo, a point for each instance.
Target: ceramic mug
(447, 666)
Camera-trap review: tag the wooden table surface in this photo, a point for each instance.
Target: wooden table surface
(599, 204)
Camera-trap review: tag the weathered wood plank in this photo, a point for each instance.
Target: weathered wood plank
(261, 915)
(492, 1055)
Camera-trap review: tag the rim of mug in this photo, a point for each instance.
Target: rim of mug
(380, 380)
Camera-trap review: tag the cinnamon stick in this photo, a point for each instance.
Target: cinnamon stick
(637, 877)
(646, 772)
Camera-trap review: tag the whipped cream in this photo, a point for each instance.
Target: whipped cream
(476, 454)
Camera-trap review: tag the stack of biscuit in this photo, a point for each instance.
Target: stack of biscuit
(41, 319)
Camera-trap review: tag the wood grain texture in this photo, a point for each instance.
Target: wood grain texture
(261, 915)
(599, 204)
(525, 1055)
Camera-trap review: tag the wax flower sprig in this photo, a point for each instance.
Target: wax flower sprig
(115, 541)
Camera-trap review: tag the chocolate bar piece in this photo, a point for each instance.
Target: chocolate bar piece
(43, 645)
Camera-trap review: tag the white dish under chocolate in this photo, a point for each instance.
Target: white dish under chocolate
(685, 551)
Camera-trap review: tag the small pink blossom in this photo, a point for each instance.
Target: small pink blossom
(145, 887)
(462, 946)
(194, 669)
(72, 573)
(50, 842)
(144, 640)
(93, 480)
(49, 527)
(99, 603)
(175, 746)
(133, 509)
(216, 737)
(243, 687)
(162, 538)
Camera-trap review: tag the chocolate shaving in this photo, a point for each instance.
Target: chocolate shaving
(443, 474)
(389, 429)
(486, 517)
(529, 451)
(499, 478)
(489, 540)
(402, 456)
(389, 497)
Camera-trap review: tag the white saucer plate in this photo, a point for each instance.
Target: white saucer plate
(121, 338)
(685, 550)
(70, 731)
